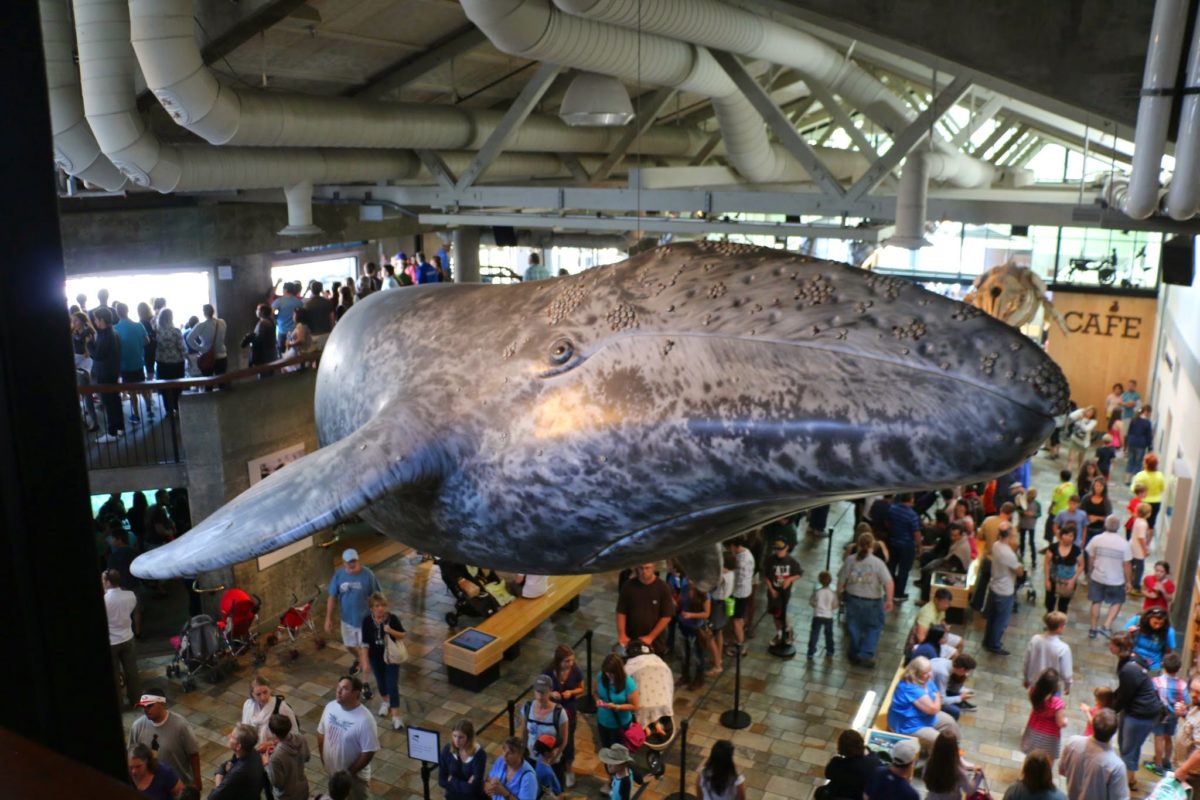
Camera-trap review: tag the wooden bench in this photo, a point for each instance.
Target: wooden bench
(960, 593)
(881, 718)
(473, 656)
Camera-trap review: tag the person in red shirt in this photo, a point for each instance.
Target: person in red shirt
(1158, 589)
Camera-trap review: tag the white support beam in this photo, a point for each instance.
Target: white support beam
(646, 115)
(572, 163)
(706, 150)
(980, 118)
(517, 113)
(785, 132)
(436, 167)
(396, 76)
(656, 224)
(830, 104)
(907, 140)
(1017, 135)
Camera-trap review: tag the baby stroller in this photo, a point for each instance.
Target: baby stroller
(296, 620)
(656, 704)
(239, 623)
(199, 647)
(467, 584)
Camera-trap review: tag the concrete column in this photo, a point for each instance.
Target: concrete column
(466, 255)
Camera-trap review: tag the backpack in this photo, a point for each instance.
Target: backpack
(555, 720)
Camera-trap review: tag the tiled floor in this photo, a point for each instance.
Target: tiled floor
(797, 709)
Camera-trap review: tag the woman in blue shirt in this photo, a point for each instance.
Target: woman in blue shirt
(1153, 636)
(617, 699)
(916, 707)
(512, 777)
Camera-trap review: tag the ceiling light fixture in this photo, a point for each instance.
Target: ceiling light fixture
(596, 100)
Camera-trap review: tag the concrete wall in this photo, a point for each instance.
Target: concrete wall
(97, 239)
(222, 431)
(1176, 402)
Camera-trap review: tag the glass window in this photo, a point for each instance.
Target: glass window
(326, 271)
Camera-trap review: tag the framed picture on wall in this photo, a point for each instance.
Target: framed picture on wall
(259, 468)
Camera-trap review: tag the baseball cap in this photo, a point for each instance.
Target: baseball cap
(349, 554)
(150, 699)
(780, 543)
(544, 744)
(905, 752)
(542, 683)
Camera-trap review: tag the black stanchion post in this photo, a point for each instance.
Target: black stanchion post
(683, 793)
(512, 718)
(828, 548)
(587, 703)
(735, 718)
(426, 771)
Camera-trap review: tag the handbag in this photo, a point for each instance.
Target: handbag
(207, 361)
(981, 788)
(634, 736)
(396, 652)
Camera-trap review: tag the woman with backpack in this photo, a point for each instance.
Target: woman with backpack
(541, 716)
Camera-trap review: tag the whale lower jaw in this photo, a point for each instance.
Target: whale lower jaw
(697, 529)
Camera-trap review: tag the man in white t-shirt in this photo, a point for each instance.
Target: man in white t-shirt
(120, 603)
(346, 736)
(1110, 575)
(1002, 589)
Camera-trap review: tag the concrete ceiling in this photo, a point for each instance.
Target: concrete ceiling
(1084, 53)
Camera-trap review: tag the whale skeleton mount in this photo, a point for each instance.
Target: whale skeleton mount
(646, 409)
(1013, 293)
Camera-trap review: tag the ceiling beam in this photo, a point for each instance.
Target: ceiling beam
(530, 94)
(842, 119)
(784, 131)
(706, 149)
(436, 167)
(978, 119)
(1021, 130)
(645, 118)
(406, 70)
(910, 137)
(248, 28)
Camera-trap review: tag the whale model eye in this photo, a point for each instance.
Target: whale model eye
(561, 352)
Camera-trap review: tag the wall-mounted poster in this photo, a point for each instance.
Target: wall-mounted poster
(260, 468)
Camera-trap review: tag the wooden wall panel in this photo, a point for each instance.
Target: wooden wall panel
(1111, 340)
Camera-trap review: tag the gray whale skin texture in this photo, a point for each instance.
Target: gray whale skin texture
(646, 409)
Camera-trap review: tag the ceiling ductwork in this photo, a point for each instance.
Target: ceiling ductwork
(164, 40)
(711, 23)
(75, 147)
(535, 29)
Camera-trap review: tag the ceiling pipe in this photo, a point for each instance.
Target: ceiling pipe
(163, 38)
(75, 147)
(1139, 198)
(1183, 197)
(535, 29)
(712, 23)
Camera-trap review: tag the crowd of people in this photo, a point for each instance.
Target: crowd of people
(112, 348)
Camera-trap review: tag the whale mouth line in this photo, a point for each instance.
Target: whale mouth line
(827, 346)
(795, 504)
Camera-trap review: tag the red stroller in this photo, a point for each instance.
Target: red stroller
(296, 620)
(239, 623)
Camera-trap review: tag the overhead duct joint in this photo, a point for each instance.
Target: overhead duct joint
(1183, 197)
(299, 208)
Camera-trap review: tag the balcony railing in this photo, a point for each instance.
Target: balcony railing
(155, 439)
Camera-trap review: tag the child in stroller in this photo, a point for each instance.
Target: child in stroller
(468, 585)
(210, 646)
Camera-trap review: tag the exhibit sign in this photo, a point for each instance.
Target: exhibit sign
(423, 745)
(260, 468)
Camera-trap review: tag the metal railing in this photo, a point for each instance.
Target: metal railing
(155, 438)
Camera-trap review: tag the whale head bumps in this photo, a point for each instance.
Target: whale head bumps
(640, 410)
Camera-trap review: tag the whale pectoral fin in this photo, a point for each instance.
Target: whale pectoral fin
(314, 492)
(703, 566)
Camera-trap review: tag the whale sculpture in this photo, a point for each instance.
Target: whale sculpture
(646, 409)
